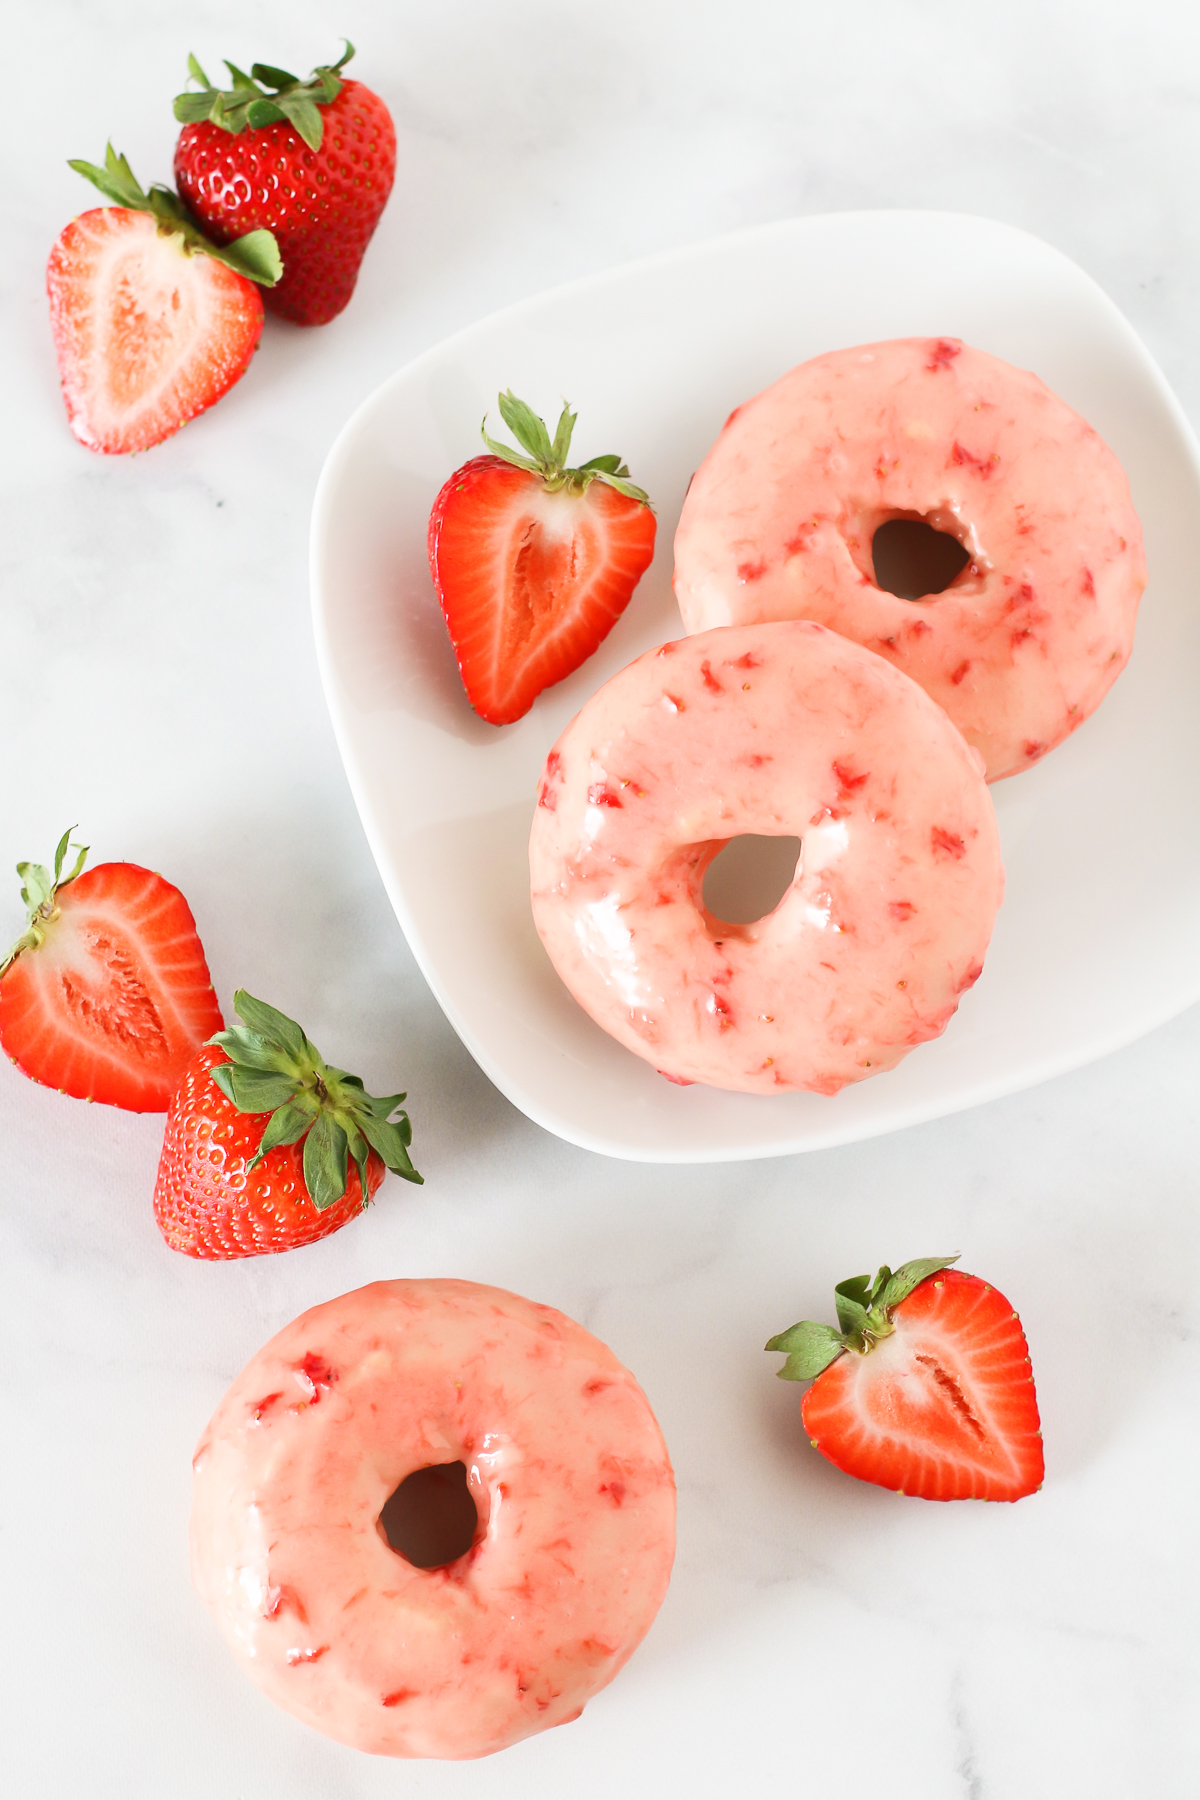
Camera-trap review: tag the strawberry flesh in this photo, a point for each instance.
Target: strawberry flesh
(531, 581)
(944, 1407)
(147, 335)
(116, 1001)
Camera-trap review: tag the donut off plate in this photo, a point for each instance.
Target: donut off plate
(1096, 942)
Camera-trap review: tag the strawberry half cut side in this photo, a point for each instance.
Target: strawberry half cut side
(927, 1389)
(107, 995)
(534, 562)
(267, 1147)
(152, 322)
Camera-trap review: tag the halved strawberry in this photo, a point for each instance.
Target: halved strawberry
(107, 995)
(534, 562)
(151, 322)
(927, 1389)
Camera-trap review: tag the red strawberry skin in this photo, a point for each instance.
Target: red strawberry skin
(146, 335)
(531, 582)
(944, 1408)
(323, 205)
(116, 1001)
(205, 1203)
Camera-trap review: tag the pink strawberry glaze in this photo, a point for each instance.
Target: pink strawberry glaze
(783, 730)
(1025, 643)
(572, 1484)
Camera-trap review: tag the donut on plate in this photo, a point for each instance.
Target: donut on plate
(781, 516)
(778, 730)
(571, 1483)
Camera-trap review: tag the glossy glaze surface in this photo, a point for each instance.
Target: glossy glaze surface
(571, 1482)
(781, 729)
(1026, 642)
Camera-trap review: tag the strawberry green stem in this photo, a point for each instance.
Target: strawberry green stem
(274, 1068)
(549, 460)
(39, 891)
(248, 105)
(864, 1310)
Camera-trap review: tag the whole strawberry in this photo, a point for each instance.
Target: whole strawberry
(927, 1388)
(266, 1147)
(311, 161)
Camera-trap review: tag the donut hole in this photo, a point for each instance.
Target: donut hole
(431, 1520)
(913, 559)
(749, 876)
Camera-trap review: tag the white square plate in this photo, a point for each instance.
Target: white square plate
(1099, 936)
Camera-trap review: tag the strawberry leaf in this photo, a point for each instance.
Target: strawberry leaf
(37, 885)
(254, 255)
(849, 1298)
(529, 431)
(116, 180)
(261, 112)
(247, 104)
(360, 1152)
(549, 459)
(274, 1068)
(305, 117)
(256, 1090)
(271, 1025)
(864, 1314)
(880, 1283)
(253, 1051)
(325, 1162)
(286, 1125)
(60, 881)
(222, 1074)
(561, 447)
(274, 78)
(383, 1109)
(391, 1143)
(910, 1275)
(810, 1347)
(630, 489)
(39, 891)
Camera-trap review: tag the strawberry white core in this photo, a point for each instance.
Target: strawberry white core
(149, 316)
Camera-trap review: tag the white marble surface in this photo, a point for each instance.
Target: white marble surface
(157, 684)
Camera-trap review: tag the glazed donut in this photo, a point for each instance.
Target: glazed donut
(779, 730)
(571, 1483)
(1026, 641)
